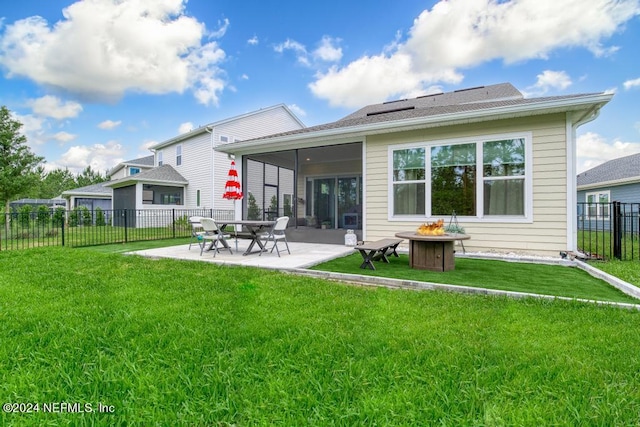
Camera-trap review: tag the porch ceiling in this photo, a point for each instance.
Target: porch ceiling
(325, 154)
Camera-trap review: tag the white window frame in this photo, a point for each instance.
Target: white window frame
(479, 217)
(159, 158)
(133, 170)
(599, 206)
(178, 154)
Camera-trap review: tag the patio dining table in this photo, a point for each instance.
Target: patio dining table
(252, 227)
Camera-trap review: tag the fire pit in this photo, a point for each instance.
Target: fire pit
(431, 248)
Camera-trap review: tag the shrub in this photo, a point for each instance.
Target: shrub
(58, 216)
(87, 217)
(24, 216)
(100, 220)
(74, 217)
(43, 215)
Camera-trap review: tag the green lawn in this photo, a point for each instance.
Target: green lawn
(170, 342)
(502, 275)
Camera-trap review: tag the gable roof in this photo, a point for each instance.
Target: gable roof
(479, 104)
(164, 174)
(145, 162)
(207, 128)
(623, 170)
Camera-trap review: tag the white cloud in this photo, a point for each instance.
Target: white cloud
(297, 48)
(100, 157)
(328, 51)
(145, 148)
(54, 107)
(109, 124)
(459, 34)
(551, 80)
(185, 127)
(220, 32)
(297, 110)
(253, 41)
(629, 84)
(147, 46)
(64, 137)
(593, 150)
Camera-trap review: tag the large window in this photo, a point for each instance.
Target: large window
(503, 177)
(409, 181)
(483, 178)
(453, 179)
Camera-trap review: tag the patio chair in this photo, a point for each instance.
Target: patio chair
(196, 230)
(213, 233)
(277, 233)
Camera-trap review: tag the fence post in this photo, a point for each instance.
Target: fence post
(126, 227)
(617, 230)
(173, 214)
(64, 219)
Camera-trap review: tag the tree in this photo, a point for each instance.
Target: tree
(53, 183)
(253, 211)
(89, 177)
(18, 165)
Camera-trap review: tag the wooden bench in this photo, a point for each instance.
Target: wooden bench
(376, 251)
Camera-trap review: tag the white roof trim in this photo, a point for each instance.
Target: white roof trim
(208, 127)
(612, 183)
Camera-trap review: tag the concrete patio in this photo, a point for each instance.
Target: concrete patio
(303, 255)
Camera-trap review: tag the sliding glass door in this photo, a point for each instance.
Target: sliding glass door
(335, 202)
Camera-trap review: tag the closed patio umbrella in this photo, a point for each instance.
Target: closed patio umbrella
(233, 191)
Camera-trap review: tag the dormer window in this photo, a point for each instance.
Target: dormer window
(133, 171)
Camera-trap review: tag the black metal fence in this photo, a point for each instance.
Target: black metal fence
(609, 230)
(83, 227)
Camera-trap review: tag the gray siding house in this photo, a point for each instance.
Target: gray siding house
(188, 174)
(617, 180)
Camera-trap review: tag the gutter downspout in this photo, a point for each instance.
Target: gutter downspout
(572, 191)
(213, 165)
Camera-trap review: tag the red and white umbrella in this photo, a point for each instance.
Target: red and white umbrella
(233, 190)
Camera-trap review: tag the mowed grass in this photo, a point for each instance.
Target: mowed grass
(492, 274)
(167, 342)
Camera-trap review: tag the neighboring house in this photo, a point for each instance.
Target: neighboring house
(131, 167)
(99, 195)
(91, 196)
(188, 173)
(503, 163)
(36, 203)
(617, 180)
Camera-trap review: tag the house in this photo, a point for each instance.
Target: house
(188, 174)
(99, 195)
(616, 180)
(131, 167)
(505, 165)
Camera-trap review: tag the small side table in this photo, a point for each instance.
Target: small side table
(433, 253)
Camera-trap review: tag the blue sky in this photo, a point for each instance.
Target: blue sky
(96, 82)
